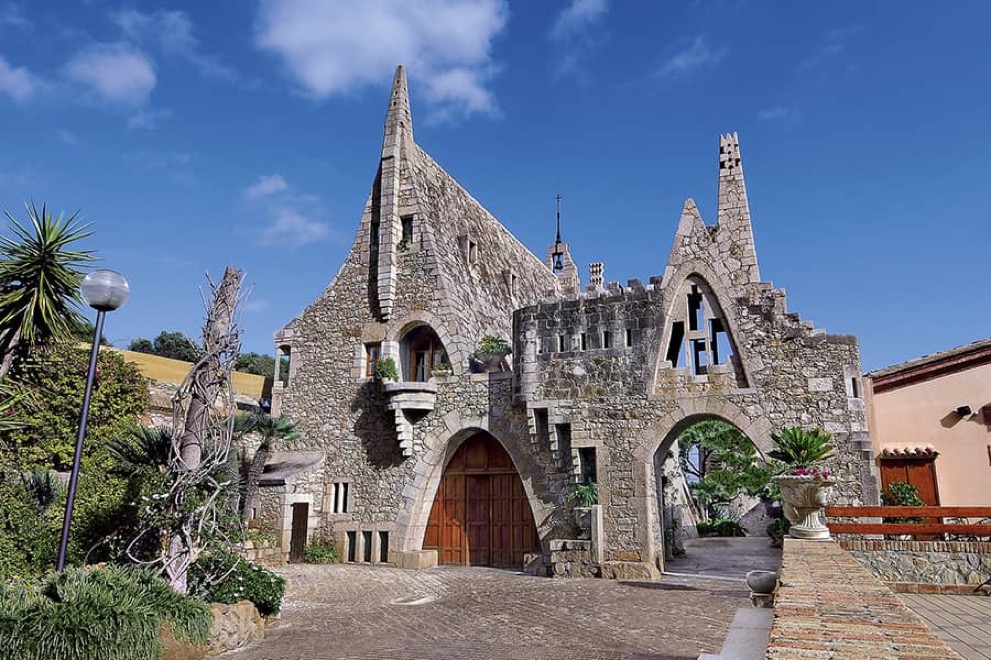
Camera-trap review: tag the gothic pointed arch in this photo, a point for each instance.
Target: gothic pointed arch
(698, 339)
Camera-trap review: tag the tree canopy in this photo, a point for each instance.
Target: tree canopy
(170, 344)
(721, 464)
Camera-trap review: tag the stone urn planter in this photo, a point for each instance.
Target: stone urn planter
(492, 361)
(805, 497)
(762, 585)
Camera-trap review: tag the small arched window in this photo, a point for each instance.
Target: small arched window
(423, 352)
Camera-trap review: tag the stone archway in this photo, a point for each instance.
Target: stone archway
(441, 445)
(649, 531)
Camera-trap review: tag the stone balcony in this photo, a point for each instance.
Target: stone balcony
(407, 397)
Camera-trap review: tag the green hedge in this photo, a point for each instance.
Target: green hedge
(720, 527)
(224, 577)
(111, 613)
(321, 552)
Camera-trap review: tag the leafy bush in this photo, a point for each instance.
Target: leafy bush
(111, 613)
(28, 539)
(385, 369)
(900, 493)
(720, 527)
(492, 345)
(224, 577)
(321, 552)
(584, 495)
(799, 448)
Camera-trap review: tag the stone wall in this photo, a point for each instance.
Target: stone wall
(924, 562)
(628, 402)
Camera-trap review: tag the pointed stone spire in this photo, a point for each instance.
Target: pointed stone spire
(733, 219)
(691, 220)
(398, 129)
(398, 119)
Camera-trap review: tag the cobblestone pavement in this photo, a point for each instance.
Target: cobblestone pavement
(361, 612)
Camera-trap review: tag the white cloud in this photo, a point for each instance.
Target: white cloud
(831, 44)
(778, 113)
(696, 56)
(147, 118)
(289, 215)
(254, 305)
(339, 47)
(17, 82)
(266, 186)
(12, 14)
(67, 137)
(172, 31)
(294, 229)
(579, 16)
(117, 73)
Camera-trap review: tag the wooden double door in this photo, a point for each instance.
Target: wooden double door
(481, 515)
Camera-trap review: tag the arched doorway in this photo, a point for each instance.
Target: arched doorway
(481, 515)
(709, 470)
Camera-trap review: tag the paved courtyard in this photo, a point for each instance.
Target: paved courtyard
(357, 611)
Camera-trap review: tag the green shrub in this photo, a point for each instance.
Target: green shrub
(584, 495)
(492, 345)
(720, 527)
(385, 369)
(111, 613)
(321, 552)
(900, 493)
(224, 577)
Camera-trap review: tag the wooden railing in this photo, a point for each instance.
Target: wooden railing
(933, 521)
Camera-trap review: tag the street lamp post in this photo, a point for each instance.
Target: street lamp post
(103, 290)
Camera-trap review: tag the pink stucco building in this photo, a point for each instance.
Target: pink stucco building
(930, 421)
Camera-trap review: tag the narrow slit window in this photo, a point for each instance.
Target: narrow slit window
(628, 338)
(674, 346)
(340, 492)
(696, 312)
(855, 387)
(584, 341)
(407, 230)
(472, 252)
(562, 436)
(383, 547)
(562, 343)
(366, 554)
(540, 425)
(352, 546)
(587, 471)
(373, 352)
(718, 341)
(700, 365)
(606, 339)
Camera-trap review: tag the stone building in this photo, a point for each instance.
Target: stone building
(458, 462)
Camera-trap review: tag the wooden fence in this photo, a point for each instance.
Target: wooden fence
(943, 522)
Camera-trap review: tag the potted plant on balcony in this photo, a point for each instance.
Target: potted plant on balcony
(385, 370)
(585, 496)
(492, 351)
(804, 484)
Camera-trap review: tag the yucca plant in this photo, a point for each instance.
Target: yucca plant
(39, 281)
(801, 448)
(44, 488)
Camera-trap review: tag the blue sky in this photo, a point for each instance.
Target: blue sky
(199, 134)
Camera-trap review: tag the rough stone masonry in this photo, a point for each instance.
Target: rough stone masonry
(599, 385)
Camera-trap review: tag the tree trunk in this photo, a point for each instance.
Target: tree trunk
(255, 471)
(8, 356)
(205, 381)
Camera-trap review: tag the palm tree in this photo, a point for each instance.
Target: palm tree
(272, 430)
(39, 281)
(141, 450)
